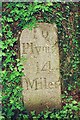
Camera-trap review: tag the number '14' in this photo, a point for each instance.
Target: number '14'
(46, 67)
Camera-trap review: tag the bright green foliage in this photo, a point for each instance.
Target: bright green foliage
(15, 18)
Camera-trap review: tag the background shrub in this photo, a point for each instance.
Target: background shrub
(17, 16)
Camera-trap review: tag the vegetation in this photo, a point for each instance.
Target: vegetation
(18, 16)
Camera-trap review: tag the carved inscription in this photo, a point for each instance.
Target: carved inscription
(34, 48)
(46, 67)
(41, 83)
(45, 34)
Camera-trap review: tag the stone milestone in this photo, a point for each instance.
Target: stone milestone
(40, 57)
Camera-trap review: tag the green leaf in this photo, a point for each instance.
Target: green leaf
(74, 102)
(9, 19)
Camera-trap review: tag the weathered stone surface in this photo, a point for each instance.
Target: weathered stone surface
(40, 58)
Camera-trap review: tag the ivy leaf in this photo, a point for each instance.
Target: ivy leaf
(74, 102)
(9, 19)
(0, 34)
